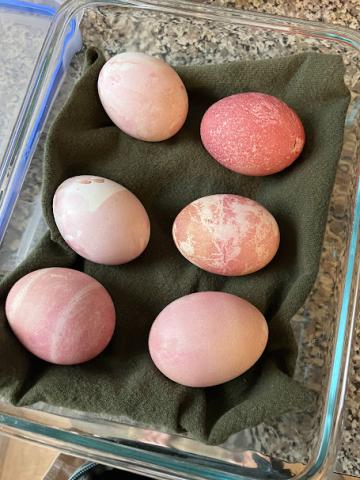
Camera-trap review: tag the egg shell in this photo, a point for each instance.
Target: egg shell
(61, 315)
(252, 133)
(143, 96)
(101, 220)
(226, 234)
(207, 338)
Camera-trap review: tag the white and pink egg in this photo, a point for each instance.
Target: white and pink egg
(101, 220)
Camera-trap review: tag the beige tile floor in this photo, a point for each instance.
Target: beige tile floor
(23, 460)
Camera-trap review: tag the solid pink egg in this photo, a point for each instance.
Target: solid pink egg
(207, 338)
(226, 234)
(62, 316)
(252, 133)
(101, 220)
(143, 96)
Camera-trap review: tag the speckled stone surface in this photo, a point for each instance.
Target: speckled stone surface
(338, 12)
(291, 437)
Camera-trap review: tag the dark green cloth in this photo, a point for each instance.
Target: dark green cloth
(167, 176)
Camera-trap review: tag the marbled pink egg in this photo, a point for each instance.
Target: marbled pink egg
(207, 338)
(143, 96)
(252, 133)
(61, 315)
(226, 234)
(101, 220)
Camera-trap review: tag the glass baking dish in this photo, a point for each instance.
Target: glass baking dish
(182, 32)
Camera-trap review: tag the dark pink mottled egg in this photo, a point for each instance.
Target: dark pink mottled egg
(61, 315)
(252, 133)
(226, 234)
(207, 338)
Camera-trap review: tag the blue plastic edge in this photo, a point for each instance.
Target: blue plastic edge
(28, 7)
(22, 167)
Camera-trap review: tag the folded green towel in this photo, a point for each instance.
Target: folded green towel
(167, 176)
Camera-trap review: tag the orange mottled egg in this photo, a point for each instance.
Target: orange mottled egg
(226, 234)
(207, 338)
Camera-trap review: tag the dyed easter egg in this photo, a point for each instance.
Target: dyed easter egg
(61, 315)
(226, 234)
(101, 220)
(252, 133)
(207, 338)
(143, 96)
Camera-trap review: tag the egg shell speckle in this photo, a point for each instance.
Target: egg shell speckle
(252, 133)
(61, 315)
(143, 96)
(207, 338)
(101, 220)
(226, 234)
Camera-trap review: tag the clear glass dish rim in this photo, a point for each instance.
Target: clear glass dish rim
(157, 460)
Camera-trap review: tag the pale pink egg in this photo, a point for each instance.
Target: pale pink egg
(143, 96)
(101, 220)
(61, 315)
(207, 338)
(226, 234)
(252, 133)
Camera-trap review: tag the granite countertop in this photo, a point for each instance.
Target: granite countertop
(345, 13)
(339, 12)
